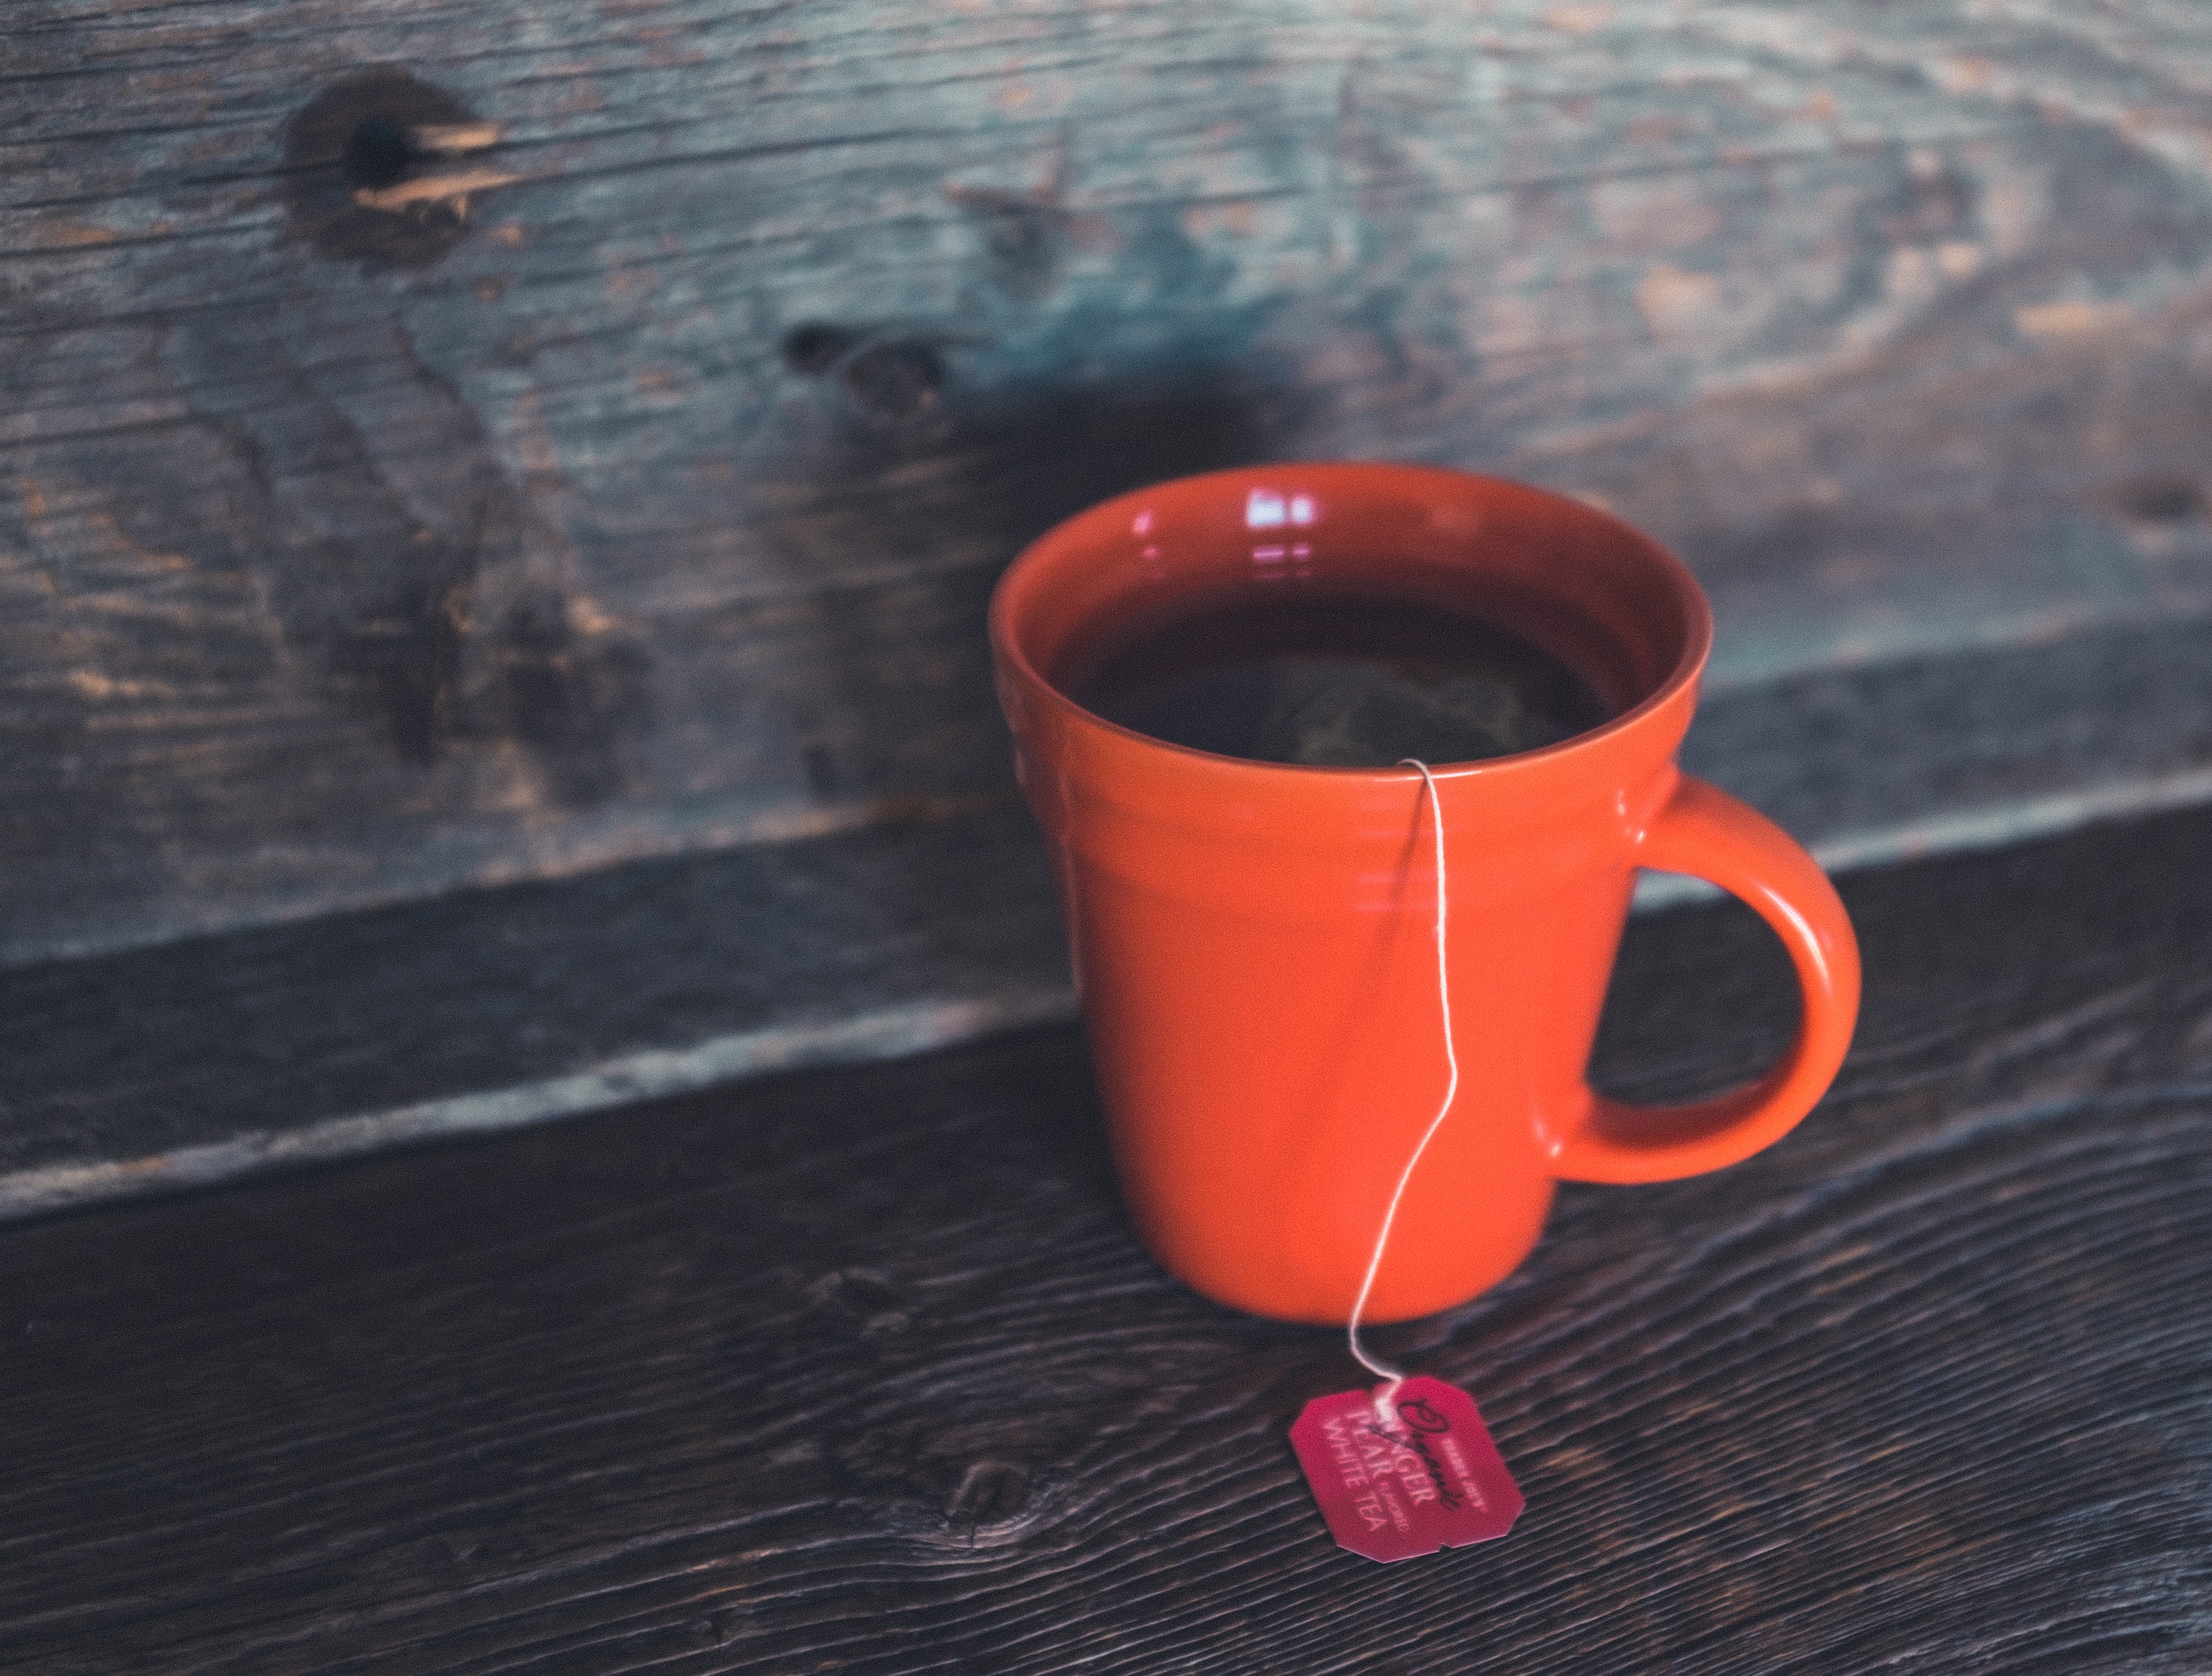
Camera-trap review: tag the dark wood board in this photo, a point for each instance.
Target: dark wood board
(212, 1057)
(862, 1370)
(643, 498)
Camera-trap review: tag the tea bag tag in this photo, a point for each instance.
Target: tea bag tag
(1405, 1469)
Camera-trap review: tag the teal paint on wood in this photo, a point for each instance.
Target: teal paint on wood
(644, 496)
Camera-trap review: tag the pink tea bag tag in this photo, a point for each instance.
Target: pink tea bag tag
(1404, 1472)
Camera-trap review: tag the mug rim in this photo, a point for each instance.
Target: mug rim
(1689, 595)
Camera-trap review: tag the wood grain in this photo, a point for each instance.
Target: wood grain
(863, 1371)
(216, 1056)
(646, 502)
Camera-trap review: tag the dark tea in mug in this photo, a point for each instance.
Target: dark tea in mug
(1330, 679)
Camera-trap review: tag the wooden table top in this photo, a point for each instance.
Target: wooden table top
(863, 1371)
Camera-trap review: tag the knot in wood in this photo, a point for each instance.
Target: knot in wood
(376, 152)
(990, 1492)
(813, 347)
(894, 379)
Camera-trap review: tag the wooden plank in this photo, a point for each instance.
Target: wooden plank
(646, 503)
(221, 1056)
(218, 1056)
(864, 1371)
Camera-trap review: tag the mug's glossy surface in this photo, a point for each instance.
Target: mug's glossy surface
(1254, 943)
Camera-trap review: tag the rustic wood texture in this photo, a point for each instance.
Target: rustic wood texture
(214, 1056)
(863, 1371)
(449, 444)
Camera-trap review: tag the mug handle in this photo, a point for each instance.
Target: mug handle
(1704, 831)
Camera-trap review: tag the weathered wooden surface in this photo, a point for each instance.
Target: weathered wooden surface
(863, 1371)
(216, 1056)
(637, 491)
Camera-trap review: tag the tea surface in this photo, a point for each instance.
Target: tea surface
(1336, 681)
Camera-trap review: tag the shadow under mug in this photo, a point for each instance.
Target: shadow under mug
(1253, 943)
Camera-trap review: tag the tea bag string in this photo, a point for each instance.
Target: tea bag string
(1395, 1376)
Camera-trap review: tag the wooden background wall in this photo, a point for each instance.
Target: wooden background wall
(634, 485)
(604, 484)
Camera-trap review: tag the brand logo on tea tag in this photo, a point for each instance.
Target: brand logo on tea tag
(1405, 1469)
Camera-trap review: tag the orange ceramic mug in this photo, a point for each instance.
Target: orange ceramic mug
(1253, 943)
